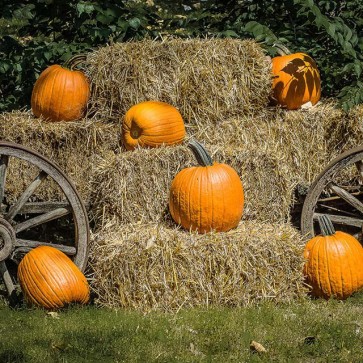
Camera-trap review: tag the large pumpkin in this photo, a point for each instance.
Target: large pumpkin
(296, 80)
(61, 94)
(334, 262)
(152, 124)
(50, 279)
(206, 197)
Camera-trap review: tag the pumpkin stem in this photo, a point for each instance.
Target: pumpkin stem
(73, 62)
(200, 153)
(326, 226)
(281, 49)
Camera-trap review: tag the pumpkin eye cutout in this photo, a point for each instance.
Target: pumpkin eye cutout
(208, 197)
(152, 124)
(296, 81)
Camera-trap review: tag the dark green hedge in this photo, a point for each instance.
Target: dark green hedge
(34, 34)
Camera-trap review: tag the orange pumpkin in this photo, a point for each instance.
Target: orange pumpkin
(152, 124)
(206, 197)
(334, 262)
(296, 80)
(50, 279)
(61, 94)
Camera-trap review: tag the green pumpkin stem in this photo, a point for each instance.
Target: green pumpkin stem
(200, 153)
(73, 62)
(281, 49)
(326, 226)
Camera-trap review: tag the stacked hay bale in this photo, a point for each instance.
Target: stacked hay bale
(140, 259)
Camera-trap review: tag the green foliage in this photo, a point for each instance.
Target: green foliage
(35, 34)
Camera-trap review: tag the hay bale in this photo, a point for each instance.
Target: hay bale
(153, 267)
(71, 145)
(206, 79)
(134, 186)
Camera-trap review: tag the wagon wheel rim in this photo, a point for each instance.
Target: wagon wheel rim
(9, 228)
(348, 194)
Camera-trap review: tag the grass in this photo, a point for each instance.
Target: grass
(307, 331)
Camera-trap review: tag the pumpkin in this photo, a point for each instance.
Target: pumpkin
(50, 279)
(334, 262)
(296, 80)
(152, 124)
(206, 197)
(61, 94)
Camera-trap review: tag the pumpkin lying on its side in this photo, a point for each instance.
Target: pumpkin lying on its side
(152, 124)
(50, 279)
(206, 197)
(296, 80)
(334, 262)
(61, 94)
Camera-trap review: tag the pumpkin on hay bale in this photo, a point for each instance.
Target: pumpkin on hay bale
(61, 93)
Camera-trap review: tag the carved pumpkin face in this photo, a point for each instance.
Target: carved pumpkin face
(152, 124)
(206, 197)
(50, 279)
(60, 94)
(296, 80)
(334, 263)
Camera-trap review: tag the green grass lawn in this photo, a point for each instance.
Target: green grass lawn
(308, 331)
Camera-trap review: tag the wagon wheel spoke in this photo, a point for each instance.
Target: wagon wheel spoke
(338, 219)
(15, 208)
(349, 198)
(4, 159)
(41, 219)
(4, 273)
(23, 245)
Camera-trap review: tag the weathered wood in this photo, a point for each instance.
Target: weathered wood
(4, 159)
(68, 250)
(15, 208)
(41, 219)
(5, 275)
(343, 220)
(349, 198)
(333, 169)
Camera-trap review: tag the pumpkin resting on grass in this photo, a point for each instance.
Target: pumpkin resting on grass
(296, 80)
(334, 265)
(50, 279)
(206, 197)
(152, 124)
(61, 94)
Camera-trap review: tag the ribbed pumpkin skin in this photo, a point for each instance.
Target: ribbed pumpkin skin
(60, 94)
(334, 266)
(296, 80)
(206, 198)
(50, 279)
(152, 124)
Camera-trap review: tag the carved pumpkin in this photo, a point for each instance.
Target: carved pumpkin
(61, 94)
(206, 197)
(334, 262)
(152, 124)
(296, 80)
(50, 279)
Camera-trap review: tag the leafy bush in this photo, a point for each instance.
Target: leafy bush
(36, 34)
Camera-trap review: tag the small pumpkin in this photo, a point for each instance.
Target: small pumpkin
(334, 262)
(61, 94)
(206, 197)
(296, 80)
(152, 124)
(50, 279)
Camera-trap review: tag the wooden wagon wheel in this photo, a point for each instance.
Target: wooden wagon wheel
(337, 192)
(37, 214)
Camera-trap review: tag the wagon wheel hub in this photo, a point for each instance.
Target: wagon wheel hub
(7, 239)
